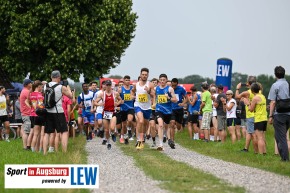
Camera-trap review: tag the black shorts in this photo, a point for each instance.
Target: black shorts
(166, 117)
(37, 120)
(17, 121)
(4, 118)
(193, 119)
(124, 114)
(119, 118)
(55, 121)
(238, 121)
(177, 115)
(153, 115)
(260, 126)
(231, 122)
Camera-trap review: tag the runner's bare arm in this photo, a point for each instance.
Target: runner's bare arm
(66, 91)
(173, 96)
(133, 91)
(118, 97)
(99, 97)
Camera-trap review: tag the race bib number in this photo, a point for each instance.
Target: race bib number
(143, 98)
(88, 103)
(177, 97)
(161, 99)
(108, 115)
(3, 105)
(127, 97)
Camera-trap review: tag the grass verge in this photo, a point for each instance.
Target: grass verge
(176, 176)
(231, 152)
(12, 153)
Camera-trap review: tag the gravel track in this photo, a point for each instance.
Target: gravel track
(118, 172)
(254, 180)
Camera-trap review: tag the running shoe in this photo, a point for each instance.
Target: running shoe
(244, 150)
(104, 142)
(140, 146)
(109, 146)
(7, 140)
(101, 134)
(131, 139)
(164, 139)
(160, 148)
(171, 144)
(130, 133)
(114, 138)
(126, 141)
(137, 143)
(122, 140)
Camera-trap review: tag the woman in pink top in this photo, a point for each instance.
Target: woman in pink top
(36, 100)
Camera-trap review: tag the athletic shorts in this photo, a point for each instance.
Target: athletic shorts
(231, 122)
(153, 115)
(37, 120)
(26, 124)
(261, 126)
(99, 116)
(250, 125)
(238, 121)
(165, 117)
(146, 113)
(4, 118)
(124, 114)
(55, 121)
(177, 115)
(119, 118)
(89, 118)
(113, 115)
(222, 122)
(192, 118)
(206, 119)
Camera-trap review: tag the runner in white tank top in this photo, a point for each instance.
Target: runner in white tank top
(143, 91)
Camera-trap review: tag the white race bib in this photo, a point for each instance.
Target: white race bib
(177, 96)
(108, 115)
(88, 103)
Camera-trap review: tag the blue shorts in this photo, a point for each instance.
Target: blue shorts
(146, 113)
(251, 125)
(99, 116)
(89, 118)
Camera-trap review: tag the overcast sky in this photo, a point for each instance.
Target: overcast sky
(185, 37)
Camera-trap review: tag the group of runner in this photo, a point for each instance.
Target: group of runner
(157, 108)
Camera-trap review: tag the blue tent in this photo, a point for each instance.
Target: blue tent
(17, 88)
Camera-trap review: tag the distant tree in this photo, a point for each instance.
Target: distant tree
(194, 79)
(73, 36)
(116, 76)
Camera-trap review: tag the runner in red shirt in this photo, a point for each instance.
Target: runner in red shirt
(111, 99)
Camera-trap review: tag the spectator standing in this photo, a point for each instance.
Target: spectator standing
(281, 121)
(25, 109)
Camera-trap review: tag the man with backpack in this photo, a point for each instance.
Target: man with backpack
(55, 118)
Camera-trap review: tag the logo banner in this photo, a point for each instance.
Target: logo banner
(51, 176)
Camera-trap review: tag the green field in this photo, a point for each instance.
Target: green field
(12, 153)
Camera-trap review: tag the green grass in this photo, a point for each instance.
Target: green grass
(12, 153)
(231, 152)
(176, 176)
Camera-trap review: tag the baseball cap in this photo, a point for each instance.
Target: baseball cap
(108, 82)
(27, 81)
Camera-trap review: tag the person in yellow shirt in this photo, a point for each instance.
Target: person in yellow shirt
(258, 106)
